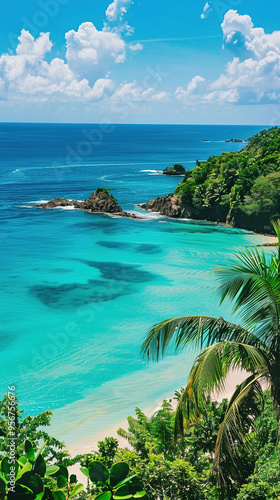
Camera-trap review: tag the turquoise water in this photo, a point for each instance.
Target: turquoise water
(79, 291)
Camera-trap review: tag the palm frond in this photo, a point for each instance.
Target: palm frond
(209, 373)
(201, 331)
(253, 284)
(276, 227)
(243, 407)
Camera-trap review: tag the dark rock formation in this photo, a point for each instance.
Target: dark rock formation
(99, 202)
(234, 140)
(175, 170)
(55, 202)
(170, 205)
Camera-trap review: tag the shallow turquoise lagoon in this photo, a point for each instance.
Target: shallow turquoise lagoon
(79, 291)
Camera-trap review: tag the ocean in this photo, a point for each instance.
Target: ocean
(79, 291)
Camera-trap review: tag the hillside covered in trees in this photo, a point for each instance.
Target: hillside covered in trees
(241, 188)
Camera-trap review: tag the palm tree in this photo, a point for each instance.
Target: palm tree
(252, 283)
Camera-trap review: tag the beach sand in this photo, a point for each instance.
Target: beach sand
(233, 379)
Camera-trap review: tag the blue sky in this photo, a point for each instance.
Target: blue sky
(141, 61)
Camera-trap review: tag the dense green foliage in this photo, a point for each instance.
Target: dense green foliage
(252, 284)
(242, 188)
(183, 470)
(154, 463)
(30, 477)
(31, 428)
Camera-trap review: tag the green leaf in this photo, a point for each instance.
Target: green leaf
(73, 479)
(32, 481)
(22, 460)
(51, 469)
(78, 488)
(85, 471)
(20, 489)
(63, 471)
(41, 449)
(39, 496)
(136, 488)
(40, 466)
(21, 496)
(104, 496)
(58, 495)
(127, 480)
(26, 468)
(61, 481)
(118, 473)
(122, 493)
(29, 450)
(2, 486)
(10, 468)
(140, 494)
(98, 472)
(6, 468)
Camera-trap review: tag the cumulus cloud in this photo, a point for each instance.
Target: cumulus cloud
(206, 10)
(116, 10)
(28, 74)
(253, 76)
(115, 17)
(84, 73)
(90, 52)
(189, 94)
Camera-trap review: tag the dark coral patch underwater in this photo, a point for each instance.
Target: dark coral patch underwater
(147, 248)
(120, 272)
(75, 295)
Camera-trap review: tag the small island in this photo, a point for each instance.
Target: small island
(177, 169)
(100, 201)
(234, 140)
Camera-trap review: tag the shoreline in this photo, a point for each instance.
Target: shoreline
(233, 379)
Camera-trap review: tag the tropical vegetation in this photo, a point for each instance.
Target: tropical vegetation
(164, 468)
(240, 188)
(252, 283)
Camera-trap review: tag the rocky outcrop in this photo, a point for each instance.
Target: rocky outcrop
(234, 140)
(175, 170)
(170, 205)
(98, 202)
(54, 203)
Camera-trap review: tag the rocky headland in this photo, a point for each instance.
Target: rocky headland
(170, 205)
(101, 201)
(238, 189)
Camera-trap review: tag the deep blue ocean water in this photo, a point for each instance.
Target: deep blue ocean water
(79, 291)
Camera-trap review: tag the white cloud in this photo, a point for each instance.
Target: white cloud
(188, 95)
(91, 52)
(206, 10)
(230, 95)
(84, 73)
(136, 47)
(116, 10)
(28, 74)
(253, 76)
(132, 93)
